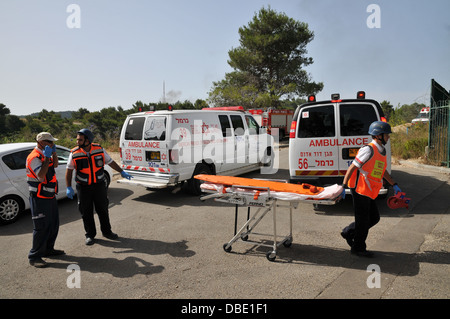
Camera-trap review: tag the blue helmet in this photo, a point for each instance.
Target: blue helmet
(87, 133)
(379, 127)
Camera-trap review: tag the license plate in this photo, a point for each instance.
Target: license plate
(153, 156)
(352, 152)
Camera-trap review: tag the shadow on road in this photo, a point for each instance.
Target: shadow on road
(130, 265)
(401, 264)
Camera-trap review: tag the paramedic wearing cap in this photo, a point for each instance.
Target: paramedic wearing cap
(365, 177)
(43, 187)
(88, 159)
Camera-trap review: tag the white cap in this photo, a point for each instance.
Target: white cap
(45, 136)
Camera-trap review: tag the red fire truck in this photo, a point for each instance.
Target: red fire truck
(274, 118)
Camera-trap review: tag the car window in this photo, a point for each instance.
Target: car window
(238, 125)
(355, 119)
(253, 126)
(63, 155)
(317, 121)
(155, 128)
(134, 128)
(225, 125)
(16, 160)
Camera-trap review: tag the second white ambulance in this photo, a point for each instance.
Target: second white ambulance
(167, 148)
(326, 135)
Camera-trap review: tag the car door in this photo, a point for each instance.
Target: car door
(15, 169)
(254, 142)
(60, 171)
(240, 140)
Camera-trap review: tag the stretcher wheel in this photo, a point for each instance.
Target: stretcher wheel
(271, 255)
(227, 249)
(287, 243)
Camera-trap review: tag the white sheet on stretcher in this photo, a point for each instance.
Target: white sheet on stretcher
(330, 192)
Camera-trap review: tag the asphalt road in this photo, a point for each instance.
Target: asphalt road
(170, 246)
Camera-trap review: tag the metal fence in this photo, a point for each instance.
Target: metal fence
(439, 134)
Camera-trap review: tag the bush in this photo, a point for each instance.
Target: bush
(410, 142)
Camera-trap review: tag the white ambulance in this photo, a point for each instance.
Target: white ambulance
(424, 116)
(163, 149)
(325, 137)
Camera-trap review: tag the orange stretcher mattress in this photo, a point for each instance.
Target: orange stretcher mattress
(302, 189)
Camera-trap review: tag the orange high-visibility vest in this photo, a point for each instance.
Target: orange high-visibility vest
(49, 187)
(89, 167)
(368, 179)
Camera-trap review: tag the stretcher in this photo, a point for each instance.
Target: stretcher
(266, 196)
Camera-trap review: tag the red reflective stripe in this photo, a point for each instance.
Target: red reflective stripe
(323, 173)
(151, 169)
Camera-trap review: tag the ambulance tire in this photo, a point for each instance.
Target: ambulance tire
(268, 157)
(194, 184)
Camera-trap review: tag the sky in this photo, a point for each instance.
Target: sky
(99, 53)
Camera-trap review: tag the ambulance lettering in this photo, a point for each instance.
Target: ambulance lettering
(144, 144)
(133, 154)
(357, 141)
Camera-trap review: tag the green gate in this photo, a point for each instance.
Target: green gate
(439, 129)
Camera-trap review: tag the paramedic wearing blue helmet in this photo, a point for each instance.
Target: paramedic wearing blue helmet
(88, 159)
(365, 177)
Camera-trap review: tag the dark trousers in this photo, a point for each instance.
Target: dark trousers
(90, 196)
(366, 216)
(45, 216)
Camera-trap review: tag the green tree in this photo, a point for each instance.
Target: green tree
(4, 111)
(387, 109)
(268, 64)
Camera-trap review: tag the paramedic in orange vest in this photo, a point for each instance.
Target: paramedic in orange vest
(43, 187)
(88, 159)
(365, 177)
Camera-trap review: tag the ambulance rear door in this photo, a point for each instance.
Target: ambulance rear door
(355, 118)
(315, 153)
(144, 148)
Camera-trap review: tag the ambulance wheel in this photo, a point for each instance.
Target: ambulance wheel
(268, 158)
(227, 249)
(194, 184)
(271, 255)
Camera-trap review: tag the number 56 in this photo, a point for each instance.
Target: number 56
(302, 163)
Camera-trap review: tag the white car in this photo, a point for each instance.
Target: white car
(14, 194)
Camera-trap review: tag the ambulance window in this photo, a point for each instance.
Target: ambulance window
(155, 128)
(317, 121)
(238, 125)
(225, 124)
(252, 125)
(355, 119)
(134, 128)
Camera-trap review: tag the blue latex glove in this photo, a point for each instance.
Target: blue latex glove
(70, 192)
(343, 193)
(48, 151)
(126, 175)
(396, 189)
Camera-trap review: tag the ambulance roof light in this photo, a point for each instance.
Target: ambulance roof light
(361, 95)
(335, 97)
(312, 98)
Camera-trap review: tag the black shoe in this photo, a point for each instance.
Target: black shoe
(38, 263)
(363, 253)
(111, 235)
(89, 241)
(348, 237)
(54, 252)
